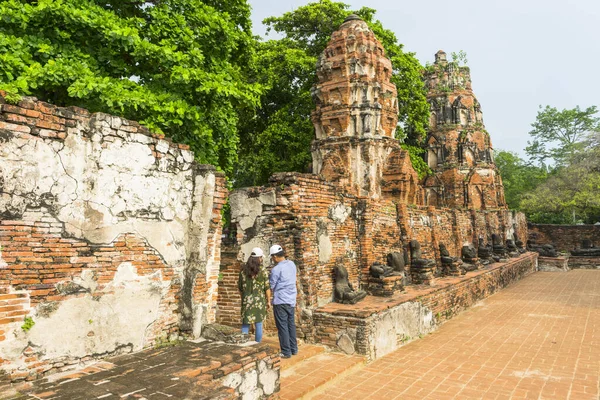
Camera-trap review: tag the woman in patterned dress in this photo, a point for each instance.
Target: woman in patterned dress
(253, 284)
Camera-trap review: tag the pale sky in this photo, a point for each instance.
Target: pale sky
(522, 54)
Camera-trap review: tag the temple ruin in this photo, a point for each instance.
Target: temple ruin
(111, 235)
(365, 201)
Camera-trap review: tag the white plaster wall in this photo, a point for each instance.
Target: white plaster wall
(118, 316)
(103, 180)
(400, 324)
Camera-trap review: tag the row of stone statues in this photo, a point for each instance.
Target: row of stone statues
(587, 249)
(423, 269)
(544, 250)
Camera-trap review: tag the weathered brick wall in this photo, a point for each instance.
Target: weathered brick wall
(315, 225)
(584, 262)
(454, 228)
(321, 228)
(110, 238)
(377, 327)
(564, 237)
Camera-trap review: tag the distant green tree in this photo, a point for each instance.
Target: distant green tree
(571, 194)
(177, 66)
(557, 135)
(518, 177)
(277, 137)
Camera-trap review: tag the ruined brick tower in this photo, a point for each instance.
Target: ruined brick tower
(459, 150)
(356, 117)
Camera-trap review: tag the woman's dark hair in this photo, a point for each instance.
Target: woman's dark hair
(252, 267)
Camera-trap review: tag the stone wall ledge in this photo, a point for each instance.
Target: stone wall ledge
(580, 262)
(373, 304)
(377, 326)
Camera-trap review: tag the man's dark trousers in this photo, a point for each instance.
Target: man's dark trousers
(286, 328)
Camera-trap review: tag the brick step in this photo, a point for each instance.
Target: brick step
(313, 375)
(305, 351)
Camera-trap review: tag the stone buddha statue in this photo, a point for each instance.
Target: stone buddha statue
(445, 255)
(587, 249)
(450, 265)
(379, 270)
(469, 257)
(343, 291)
(512, 249)
(546, 250)
(394, 266)
(397, 261)
(519, 243)
(416, 259)
(484, 252)
(498, 247)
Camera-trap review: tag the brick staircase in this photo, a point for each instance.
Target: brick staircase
(313, 370)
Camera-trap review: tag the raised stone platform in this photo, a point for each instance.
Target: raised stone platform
(190, 370)
(578, 262)
(378, 325)
(385, 287)
(553, 264)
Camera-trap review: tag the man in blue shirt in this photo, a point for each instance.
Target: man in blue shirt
(283, 287)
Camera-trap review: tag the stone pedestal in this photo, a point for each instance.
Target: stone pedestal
(553, 264)
(385, 287)
(423, 274)
(452, 269)
(471, 265)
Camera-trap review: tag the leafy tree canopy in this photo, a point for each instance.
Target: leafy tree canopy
(277, 137)
(557, 135)
(518, 177)
(177, 66)
(571, 194)
(564, 193)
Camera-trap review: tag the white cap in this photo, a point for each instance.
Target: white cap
(275, 249)
(256, 252)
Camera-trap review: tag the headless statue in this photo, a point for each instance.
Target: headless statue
(545, 250)
(379, 270)
(483, 251)
(469, 257)
(415, 256)
(587, 249)
(519, 243)
(445, 255)
(344, 292)
(511, 247)
(497, 246)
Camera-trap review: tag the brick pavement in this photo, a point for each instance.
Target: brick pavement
(186, 371)
(538, 339)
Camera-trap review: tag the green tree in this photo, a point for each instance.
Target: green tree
(277, 137)
(177, 66)
(572, 192)
(518, 177)
(557, 135)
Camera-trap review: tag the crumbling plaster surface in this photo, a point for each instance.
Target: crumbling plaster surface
(253, 384)
(246, 208)
(94, 178)
(102, 182)
(391, 329)
(117, 317)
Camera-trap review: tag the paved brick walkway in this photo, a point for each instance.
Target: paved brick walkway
(537, 339)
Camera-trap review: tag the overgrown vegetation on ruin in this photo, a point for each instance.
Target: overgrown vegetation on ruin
(177, 66)
(277, 136)
(193, 71)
